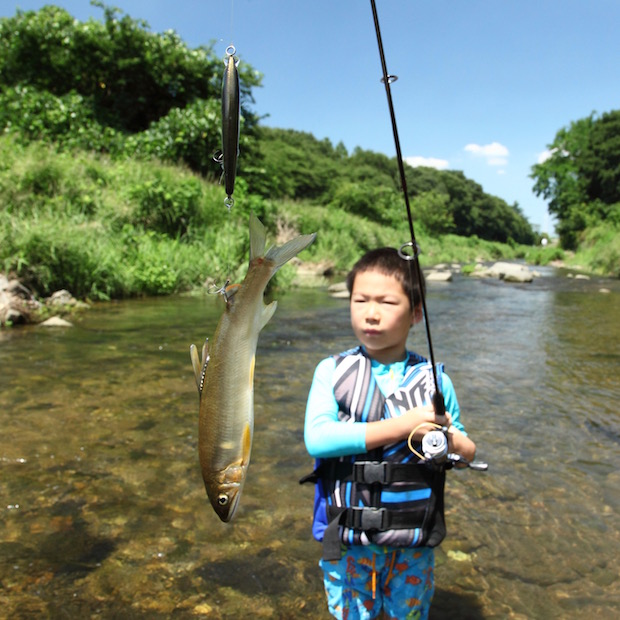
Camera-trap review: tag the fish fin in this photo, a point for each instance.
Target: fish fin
(252, 366)
(267, 313)
(258, 237)
(200, 364)
(247, 444)
(283, 254)
(193, 354)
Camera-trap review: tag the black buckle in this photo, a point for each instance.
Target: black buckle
(369, 518)
(370, 472)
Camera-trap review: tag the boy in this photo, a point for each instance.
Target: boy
(378, 509)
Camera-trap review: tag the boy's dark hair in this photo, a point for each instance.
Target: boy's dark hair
(389, 262)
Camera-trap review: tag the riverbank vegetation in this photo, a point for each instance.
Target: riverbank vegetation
(581, 180)
(108, 187)
(105, 228)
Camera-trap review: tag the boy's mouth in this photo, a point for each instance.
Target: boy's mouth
(372, 332)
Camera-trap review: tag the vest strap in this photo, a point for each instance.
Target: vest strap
(366, 472)
(379, 519)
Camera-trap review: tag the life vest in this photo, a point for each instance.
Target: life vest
(387, 496)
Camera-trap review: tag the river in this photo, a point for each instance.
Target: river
(103, 512)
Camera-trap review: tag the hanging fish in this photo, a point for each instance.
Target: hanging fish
(230, 123)
(225, 374)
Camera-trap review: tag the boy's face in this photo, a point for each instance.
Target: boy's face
(381, 315)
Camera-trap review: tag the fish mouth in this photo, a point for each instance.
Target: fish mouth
(225, 500)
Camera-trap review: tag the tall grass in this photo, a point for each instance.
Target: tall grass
(110, 229)
(599, 250)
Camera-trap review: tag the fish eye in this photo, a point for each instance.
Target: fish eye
(222, 499)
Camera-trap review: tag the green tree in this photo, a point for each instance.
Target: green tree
(91, 84)
(295, 165)
(434, 213)
(581, 178)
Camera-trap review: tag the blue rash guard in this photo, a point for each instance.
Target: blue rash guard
(326, 436)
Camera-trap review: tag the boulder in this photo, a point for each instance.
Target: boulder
(338, 290)
(438, 276)
(509, 272)
(17, 303)
(64, 300)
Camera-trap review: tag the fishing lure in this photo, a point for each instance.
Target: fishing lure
(227, 157)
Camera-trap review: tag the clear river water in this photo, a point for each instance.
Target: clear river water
(103, 512)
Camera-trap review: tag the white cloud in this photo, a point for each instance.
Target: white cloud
(495, 154)
(430, 162)
(544, 156)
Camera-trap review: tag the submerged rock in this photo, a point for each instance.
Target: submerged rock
(56, 321)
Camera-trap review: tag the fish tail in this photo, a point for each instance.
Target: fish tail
(278, 254)
(284, 253)
(258, 237)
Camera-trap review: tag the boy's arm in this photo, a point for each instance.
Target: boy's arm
(392, 430)
(458, 441)
(325, 435)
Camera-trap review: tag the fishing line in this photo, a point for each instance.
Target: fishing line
(387, 80)
(232, 19)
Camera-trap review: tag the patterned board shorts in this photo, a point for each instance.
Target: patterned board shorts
(367, 580)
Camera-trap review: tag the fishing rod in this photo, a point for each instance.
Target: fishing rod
(387, 80)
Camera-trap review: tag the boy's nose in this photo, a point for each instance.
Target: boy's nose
(373, 312)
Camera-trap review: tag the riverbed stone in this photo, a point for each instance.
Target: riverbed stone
(56, 321)
(17, 303)
(338, 290)
(509, 272)
(439, 276)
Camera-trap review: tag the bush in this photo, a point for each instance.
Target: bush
(600, 250)
(167, 205)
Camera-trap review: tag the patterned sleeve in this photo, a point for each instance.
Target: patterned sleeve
(325, 435)
(452, 404)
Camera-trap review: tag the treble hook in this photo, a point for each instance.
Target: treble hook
(226, 291)
(221, 290)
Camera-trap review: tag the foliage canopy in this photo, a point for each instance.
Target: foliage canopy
(581, 177)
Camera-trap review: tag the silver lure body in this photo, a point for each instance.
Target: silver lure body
(230, 123)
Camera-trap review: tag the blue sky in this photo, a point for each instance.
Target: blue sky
(484, 85)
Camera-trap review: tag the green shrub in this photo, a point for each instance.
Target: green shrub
(167, 205)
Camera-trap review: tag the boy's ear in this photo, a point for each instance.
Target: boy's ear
(417, 315)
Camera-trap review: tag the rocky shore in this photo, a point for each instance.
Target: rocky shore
(508, 272)
(20, 306)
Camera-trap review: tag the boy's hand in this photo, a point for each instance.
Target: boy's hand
(385, 432)
(443, 420)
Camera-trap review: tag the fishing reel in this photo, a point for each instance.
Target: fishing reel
(435, 451)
